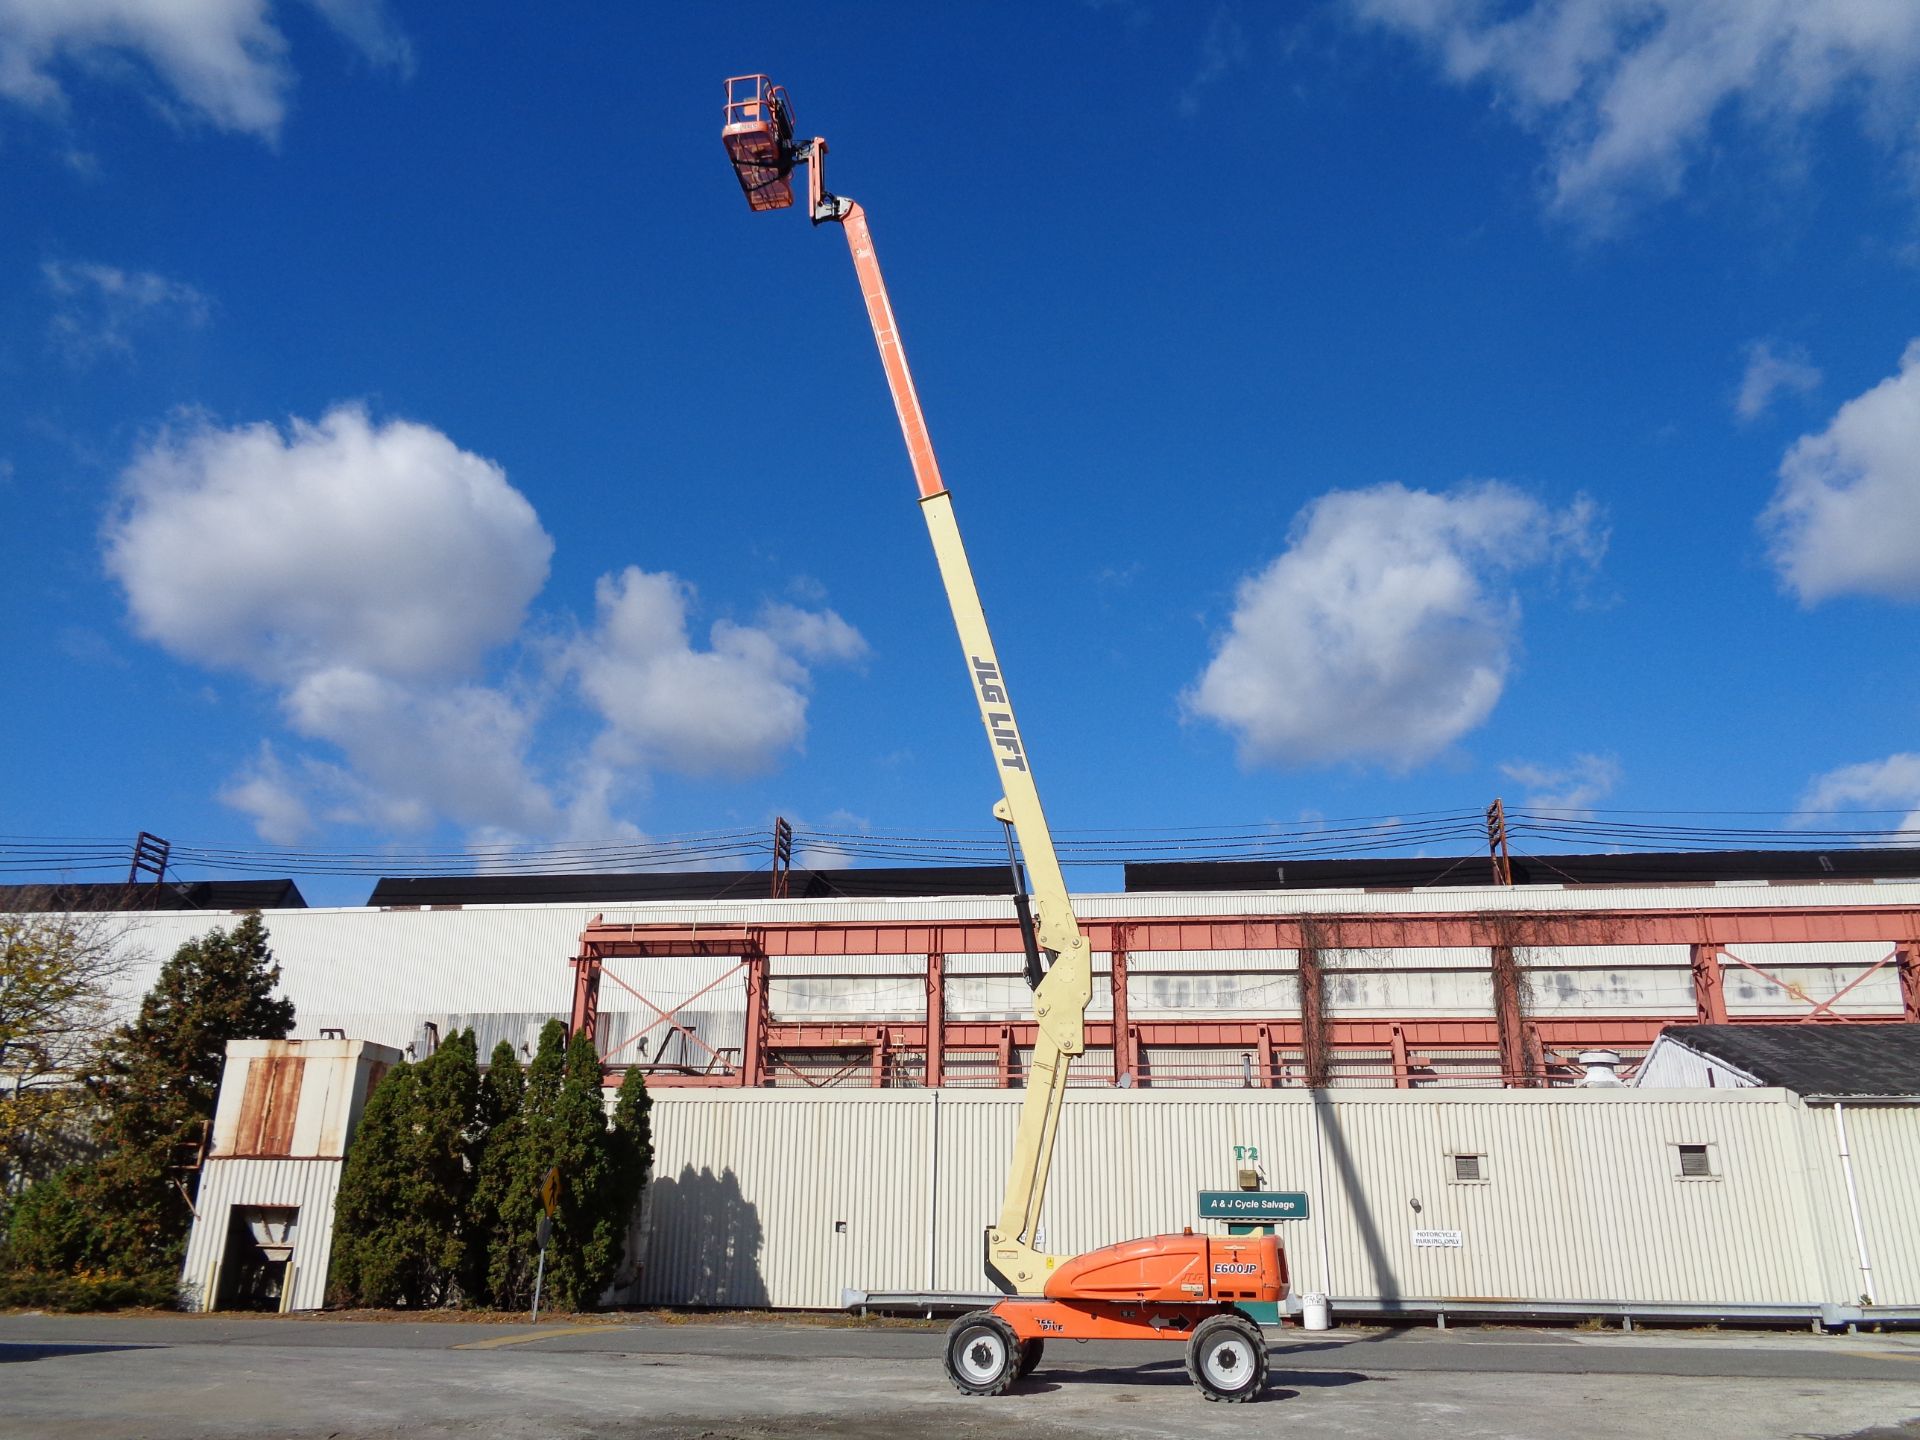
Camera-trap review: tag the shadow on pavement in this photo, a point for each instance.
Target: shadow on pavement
(1174, 1373)
(12, 1352)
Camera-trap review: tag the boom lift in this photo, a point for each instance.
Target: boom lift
(1183, 1287)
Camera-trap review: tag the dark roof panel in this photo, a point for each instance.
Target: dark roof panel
(1411, 872)
(161, 895)
(915, 880)
(1854, 1058)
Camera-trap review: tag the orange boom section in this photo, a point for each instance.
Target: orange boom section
(758, 134)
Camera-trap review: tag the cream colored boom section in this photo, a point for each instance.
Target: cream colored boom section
(1060, 1002)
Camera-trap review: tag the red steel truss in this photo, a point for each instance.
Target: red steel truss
(1304, 1048)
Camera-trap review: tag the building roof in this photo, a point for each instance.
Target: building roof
(914, 880)
(1860, 1059)
(154, 895)
(1412, 872)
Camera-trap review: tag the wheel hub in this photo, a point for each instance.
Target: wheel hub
(1227, 1363)
(981, 1358)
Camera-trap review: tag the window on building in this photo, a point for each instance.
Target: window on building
(1469, 1169)
(1695, 1162)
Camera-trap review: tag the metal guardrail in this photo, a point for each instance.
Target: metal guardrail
(1820, 1318)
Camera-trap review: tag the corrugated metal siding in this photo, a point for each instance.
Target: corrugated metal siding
(1886, 1158)
(848, 998)
(1885, 1143)
(307, 1185)
(749, 1191)
(1671, 1066)
(1170, 997)
(1583, 1200)
(1383, 994)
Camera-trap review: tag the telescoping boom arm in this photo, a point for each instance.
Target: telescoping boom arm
(759, 139)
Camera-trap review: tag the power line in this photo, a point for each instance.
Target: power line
(1419, 832)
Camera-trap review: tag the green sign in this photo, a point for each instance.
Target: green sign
(1255, 1206)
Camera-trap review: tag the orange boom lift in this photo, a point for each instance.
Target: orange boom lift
(1186, 1287)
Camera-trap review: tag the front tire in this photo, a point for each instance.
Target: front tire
(983, 1356)
(1227, 1359)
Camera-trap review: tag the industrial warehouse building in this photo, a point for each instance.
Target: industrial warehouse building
(836, 1077)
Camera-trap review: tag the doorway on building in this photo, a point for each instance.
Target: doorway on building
(254, 1270)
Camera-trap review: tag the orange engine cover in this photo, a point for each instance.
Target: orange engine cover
(1174, 1269)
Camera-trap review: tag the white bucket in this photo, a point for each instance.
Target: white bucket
(1315, 1313)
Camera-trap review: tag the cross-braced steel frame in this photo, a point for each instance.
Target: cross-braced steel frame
(1310, 1047)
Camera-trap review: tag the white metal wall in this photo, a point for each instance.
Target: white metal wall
(310, 1186)
(762, 1197)
(1583, 1201)
(1885, 1146)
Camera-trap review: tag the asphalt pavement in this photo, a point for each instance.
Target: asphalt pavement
(171, 1377)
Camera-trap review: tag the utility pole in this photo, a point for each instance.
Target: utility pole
(782, 856)
(1497, 843)
(150, 854)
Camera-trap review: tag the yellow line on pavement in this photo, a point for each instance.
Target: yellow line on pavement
(499, 1341)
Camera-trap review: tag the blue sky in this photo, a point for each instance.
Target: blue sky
(411, 441)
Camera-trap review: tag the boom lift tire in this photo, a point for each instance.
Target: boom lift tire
(1227, 1359)
(983, 1356)
(1030, 1353)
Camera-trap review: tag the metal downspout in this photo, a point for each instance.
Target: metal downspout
(1853, 1203)
(933, 1200)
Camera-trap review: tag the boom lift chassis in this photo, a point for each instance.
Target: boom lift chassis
(1183, 1287)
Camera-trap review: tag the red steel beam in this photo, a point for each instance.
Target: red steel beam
(934, 1039)
(1892, 924)
(1314, 1039)
(1709, 985)
(1126, 1043)
(753, 1057)
(1519, 1046)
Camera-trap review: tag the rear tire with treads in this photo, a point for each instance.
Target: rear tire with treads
(1030, 1353)
(1227, 1359)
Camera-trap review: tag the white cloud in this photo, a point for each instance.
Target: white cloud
(98, 308)
(1627, 91)
(730, 709)
(1223, 49)
(1769, 373)
(1387, 628)
(273, 798)
(1581, 783)
(1845, 516)
(375, 575)
(1889, 784)
(365, 570)
(418, 753)
(223, 60)
(339, 543)
(370, 27)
